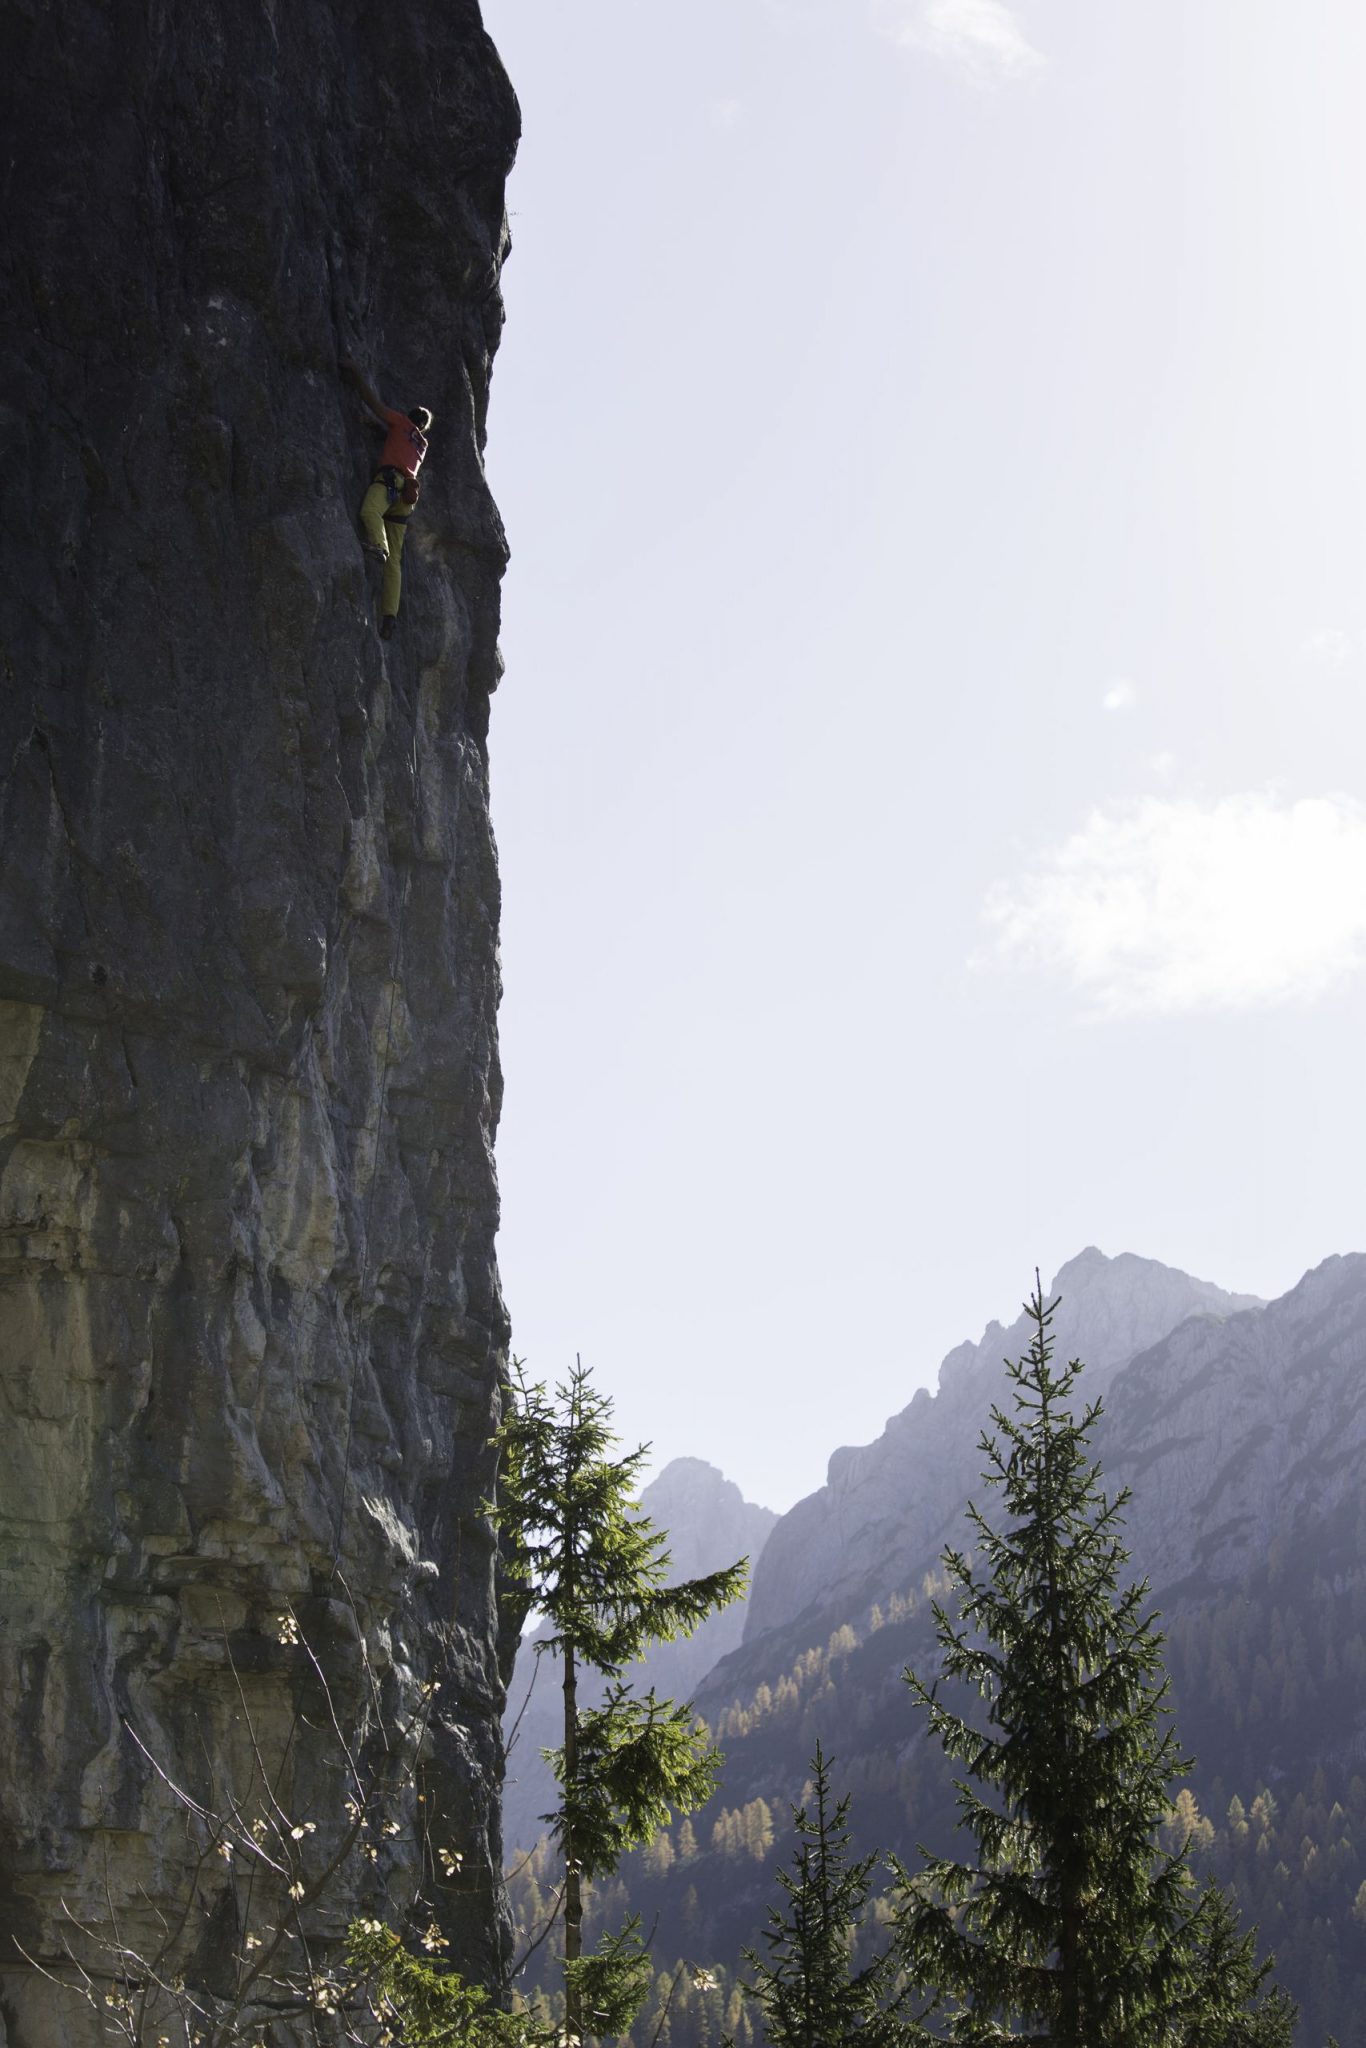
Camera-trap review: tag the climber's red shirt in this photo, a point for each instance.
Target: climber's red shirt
(404, 446)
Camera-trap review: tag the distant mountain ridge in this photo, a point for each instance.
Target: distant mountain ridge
(888, 1505)
(1241, 1432)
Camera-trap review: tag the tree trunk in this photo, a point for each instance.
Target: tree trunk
(573, 1893)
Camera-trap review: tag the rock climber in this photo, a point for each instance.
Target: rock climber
(389, 503)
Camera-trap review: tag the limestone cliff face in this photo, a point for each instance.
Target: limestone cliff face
(250, 1321)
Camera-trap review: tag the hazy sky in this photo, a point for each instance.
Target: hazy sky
(929, 770)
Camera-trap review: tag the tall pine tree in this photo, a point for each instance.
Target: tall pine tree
(595, 1568)
(1067, 1925)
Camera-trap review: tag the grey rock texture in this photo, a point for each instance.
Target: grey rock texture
(1240, 1435)
(250, 1319)
(887, 1507)
(710, 1524)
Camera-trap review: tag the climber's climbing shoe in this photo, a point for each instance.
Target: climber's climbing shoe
(371, 549)
(386, 627)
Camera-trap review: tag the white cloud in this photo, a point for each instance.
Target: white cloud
(1168, 906)
(1329, 648)
(1121, 695)
(981, 37)
(725, 113)
(1163, 765)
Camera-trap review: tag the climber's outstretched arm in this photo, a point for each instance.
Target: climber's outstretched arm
(354, 378)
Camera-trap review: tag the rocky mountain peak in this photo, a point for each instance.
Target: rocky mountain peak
(1110, 1309)
(708, 1518)
(885, 1504)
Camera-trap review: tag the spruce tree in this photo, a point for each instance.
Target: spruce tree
(807, 1988)
(1067, 1925)
(595, 1568)
(1249, 2015)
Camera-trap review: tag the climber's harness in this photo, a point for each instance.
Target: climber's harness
(399, 485)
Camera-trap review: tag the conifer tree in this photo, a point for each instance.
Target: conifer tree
(1068, 1925)
(807, 1988)
(595, 1567)
(1248, 2015)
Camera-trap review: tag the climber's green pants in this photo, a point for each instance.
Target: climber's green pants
(386, 528)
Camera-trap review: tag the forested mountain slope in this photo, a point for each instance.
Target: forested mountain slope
(1243, 1438)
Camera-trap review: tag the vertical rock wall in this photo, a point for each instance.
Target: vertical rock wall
(250, 1321)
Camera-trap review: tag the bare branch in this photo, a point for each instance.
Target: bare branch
(525, 1958)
